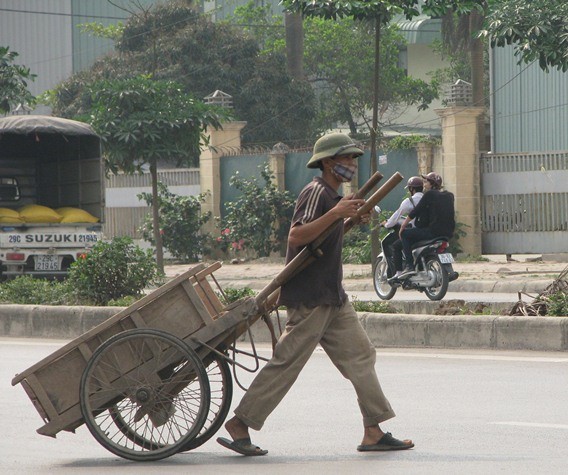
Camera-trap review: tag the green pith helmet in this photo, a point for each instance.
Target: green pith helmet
(331, 145)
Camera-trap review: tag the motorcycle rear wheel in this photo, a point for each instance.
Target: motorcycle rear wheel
(383, 289)
(439, 289)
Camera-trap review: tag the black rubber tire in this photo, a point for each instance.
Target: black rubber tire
(383, 289)
(221, 383)
(437, 291)
(128, 375)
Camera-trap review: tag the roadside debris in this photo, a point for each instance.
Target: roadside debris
(539, 306)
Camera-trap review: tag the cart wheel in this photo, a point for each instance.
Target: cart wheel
(221, 383)
(154, 385)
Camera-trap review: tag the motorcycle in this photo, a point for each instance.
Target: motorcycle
(432, 262)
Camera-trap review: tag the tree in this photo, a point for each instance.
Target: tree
(377, 11)
(13, 82)
(141, 121)
(294, 44)
(538, 29)
(174, 42)
(338, 55)
(461, 22)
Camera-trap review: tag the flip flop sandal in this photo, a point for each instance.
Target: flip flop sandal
(386, 442)
(242, 446)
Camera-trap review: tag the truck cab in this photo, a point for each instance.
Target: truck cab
(53, 164)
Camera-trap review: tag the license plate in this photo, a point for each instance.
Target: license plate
(446, 258)
(45, 262)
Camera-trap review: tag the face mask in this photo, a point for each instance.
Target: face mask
(344, 173)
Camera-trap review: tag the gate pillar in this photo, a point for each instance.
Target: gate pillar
(227, 138)
(277, 165)
(460, 170)
(425, 152)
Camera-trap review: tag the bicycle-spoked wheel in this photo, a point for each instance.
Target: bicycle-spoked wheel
(144, 394)
(221, 383)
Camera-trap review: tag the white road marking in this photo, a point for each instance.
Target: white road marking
(532, 424)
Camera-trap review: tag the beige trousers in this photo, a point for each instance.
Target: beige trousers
(343, 338)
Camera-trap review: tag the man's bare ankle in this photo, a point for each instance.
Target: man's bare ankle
(236, 428)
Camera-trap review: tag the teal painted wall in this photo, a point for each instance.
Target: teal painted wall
(402, 161)
(247, 166)
(297, 175)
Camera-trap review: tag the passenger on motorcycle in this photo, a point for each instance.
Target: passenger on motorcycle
(434, 217)
(393, 243)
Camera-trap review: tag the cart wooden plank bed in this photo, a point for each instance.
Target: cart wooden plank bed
(154, 379)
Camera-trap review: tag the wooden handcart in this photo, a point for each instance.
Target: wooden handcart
(154, 379)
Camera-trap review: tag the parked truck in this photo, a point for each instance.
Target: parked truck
(54, 164)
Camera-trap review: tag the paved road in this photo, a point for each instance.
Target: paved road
(469, 412)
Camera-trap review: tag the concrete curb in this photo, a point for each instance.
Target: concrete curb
(46, 321)
(468, 331)
(449, 331)
(384, 330)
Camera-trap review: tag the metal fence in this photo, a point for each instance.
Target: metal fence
(125, 212)
(524, 203)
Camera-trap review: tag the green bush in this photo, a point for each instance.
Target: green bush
(180, 224)
(454, 243)
(27, 290)
(406, 142)
(231, 294)
(112, 270)
(125, 301)
(558, 304)
(259, 219)
(357, 246)
(372, 306)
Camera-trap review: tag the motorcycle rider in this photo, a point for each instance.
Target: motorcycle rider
(434, 217)
(393, 243)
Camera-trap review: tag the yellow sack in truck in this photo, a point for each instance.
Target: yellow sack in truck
(39, 214)
(76, 215)
(8, 215)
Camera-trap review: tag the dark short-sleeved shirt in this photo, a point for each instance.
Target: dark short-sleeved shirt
(436, 212)
(320, 283)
